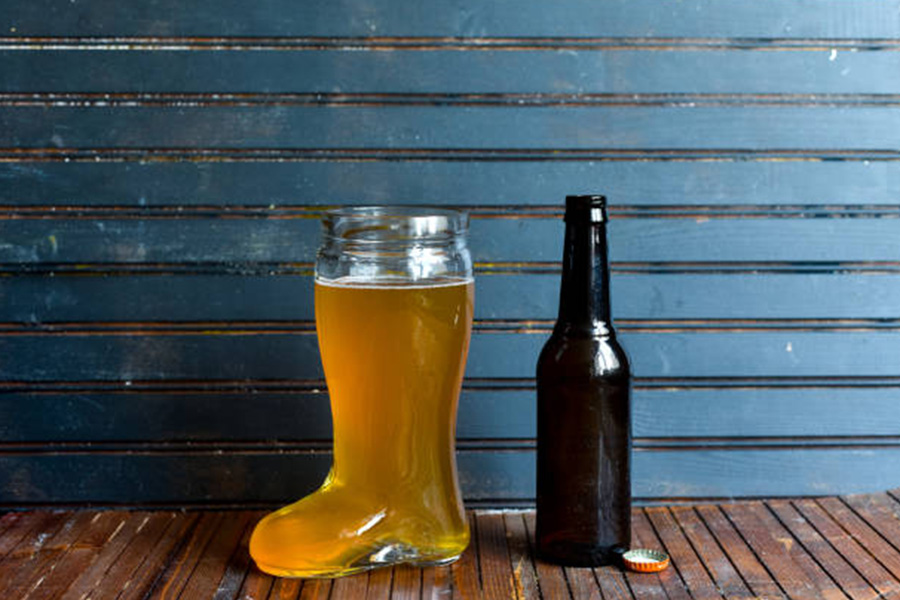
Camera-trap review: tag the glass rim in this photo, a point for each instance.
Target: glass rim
(410, 221)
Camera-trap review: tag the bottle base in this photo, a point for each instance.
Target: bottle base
(581, 555)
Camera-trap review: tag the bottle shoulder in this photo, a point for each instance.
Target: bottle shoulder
(592, 356)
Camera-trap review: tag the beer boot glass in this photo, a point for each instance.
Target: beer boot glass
(394, 298)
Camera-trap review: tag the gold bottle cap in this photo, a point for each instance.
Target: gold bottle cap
(644, 560)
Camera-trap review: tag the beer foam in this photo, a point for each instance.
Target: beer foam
(391, 283)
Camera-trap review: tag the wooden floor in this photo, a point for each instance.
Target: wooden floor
(830, 548)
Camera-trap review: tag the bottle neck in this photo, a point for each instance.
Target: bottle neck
(584, 305)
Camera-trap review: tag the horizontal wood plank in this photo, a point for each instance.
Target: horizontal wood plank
(649, 182)
(773, 354)
(765, 472)
(627, 74)
(492, 240)
(430, 128)
(823, 412)
(497, 478)
(637, 299)
(834, 416)
(132, 355)
(793, 18)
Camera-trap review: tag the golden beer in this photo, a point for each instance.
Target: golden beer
(394, 355)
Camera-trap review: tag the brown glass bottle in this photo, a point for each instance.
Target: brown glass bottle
(583, 405)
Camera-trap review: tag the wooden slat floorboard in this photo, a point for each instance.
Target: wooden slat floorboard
(582, 583)
(177, 573)
(817, 548)
(772, 552)
(79, 557)
(108, 553)
(612, 584)
(884, 552)
(520, 557)
(726, 577)
(406, 583)
(436, 584)
(285, 589)
(315, 589)
(25, 571)
(551, 578)
(752, 571)
(668, 584)
(823, 581)
(827, 552)
(493, 557)
(379, 587)
(693, 572)
(355, 586)
(121, 574)
(256, 586)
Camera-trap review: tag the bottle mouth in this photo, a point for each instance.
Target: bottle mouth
(591, 207)
(390, 224)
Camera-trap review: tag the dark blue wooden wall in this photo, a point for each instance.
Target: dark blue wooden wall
(163, 164)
